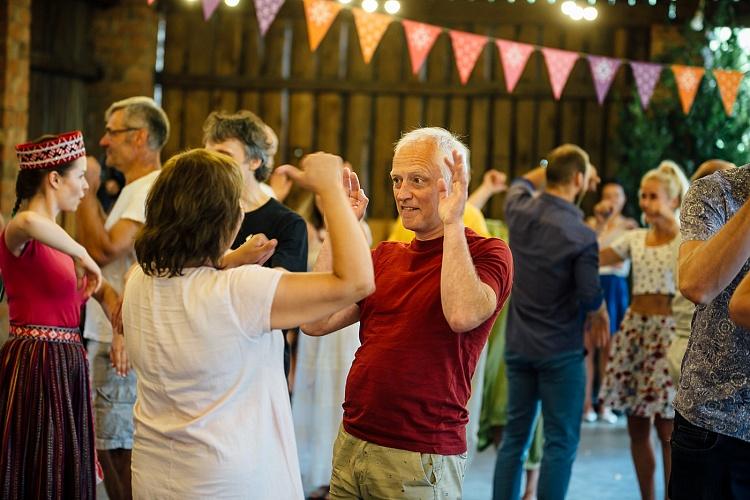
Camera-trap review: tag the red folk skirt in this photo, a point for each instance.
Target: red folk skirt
(47, 449)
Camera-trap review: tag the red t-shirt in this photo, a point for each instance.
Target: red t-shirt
(411, 377)
(41, 286)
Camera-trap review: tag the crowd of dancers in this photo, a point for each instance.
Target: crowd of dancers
(238, 348)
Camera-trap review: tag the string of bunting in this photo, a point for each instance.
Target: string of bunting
(467, 47)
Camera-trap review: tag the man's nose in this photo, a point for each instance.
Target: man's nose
(402, 193)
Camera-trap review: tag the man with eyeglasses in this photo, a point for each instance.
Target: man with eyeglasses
(136, 131)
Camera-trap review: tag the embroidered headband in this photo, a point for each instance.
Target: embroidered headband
(52, 152)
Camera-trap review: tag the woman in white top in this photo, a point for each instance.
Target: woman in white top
(609, 224)
(637, 380)
(212, 415)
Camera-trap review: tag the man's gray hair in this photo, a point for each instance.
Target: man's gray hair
(142, 111)
(445, 142)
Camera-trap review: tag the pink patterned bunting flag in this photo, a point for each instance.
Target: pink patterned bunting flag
(466, 48)
(688, 79)
(266, 11)
(370, 27)
(646, 77)
(559, 65)
(420, 38)
(514, 56)
(320, 14)
(603, 71)
(209, 6)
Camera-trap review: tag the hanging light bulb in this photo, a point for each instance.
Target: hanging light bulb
(672, 10)
(568, 7)
(696, 24)
(577, 13)
(345, 2)
(590, 13)
(392, 6)
(370, 5)
(231, 3)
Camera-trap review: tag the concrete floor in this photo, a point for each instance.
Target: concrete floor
(602, 471)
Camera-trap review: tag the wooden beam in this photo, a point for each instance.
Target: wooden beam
(537, 89)
(86, 70)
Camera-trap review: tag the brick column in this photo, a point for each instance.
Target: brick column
(124, 42)
(15, 39)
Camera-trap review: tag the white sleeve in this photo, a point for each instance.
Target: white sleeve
(135, 209)
(621, 246)
(251, 293)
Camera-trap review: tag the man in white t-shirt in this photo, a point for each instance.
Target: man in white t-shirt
(136, 131)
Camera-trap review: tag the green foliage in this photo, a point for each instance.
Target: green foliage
(665, 132)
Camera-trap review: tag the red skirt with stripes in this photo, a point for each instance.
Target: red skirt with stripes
(47, 448)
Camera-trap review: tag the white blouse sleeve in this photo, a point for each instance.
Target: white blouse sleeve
(251, 290)
(621, 246)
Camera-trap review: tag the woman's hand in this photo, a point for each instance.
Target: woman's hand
(257, 249)
(118, 356)
(88, 273)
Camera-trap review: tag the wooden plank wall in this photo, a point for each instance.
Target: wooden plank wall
(332, 100)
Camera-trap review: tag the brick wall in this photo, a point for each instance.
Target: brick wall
(124, 46)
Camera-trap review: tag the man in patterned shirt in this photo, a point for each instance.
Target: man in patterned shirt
(711, 438)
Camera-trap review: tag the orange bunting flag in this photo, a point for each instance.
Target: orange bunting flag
(370, 28)
(420, 38)
(320, 14)
(466, 49)
(688, 80)
(559, 65)
(729, 85)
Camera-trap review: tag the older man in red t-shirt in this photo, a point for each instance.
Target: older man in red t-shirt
(403, 433)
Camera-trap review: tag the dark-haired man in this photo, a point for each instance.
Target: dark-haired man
(244, 137)
(136, 131)
(556, 288)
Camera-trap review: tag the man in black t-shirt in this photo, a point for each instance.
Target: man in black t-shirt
(242, 135)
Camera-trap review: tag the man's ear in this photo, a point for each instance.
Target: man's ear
(254, 164)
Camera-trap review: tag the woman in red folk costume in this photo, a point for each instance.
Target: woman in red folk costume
(47, 436)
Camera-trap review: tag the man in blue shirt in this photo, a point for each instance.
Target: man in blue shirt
(556, 290)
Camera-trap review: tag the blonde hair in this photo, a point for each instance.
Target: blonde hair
(672, 178)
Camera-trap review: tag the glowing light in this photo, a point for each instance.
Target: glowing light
(725, 33)
(590, 13)
(743, 38)
(370, 5)
(568, 7)
(345, 2)
(577, 13)
(392, 6)
(231, 3)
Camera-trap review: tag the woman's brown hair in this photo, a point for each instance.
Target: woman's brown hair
(192, 213)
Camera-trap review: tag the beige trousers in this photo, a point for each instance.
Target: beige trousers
(364, 470)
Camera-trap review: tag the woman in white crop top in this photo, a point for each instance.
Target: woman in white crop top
(637, 381)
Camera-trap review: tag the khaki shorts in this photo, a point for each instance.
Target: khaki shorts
(114, 397)
(369, 471)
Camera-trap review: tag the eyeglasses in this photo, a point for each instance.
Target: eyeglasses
(112, 132)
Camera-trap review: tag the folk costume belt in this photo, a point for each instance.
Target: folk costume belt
(48, 333)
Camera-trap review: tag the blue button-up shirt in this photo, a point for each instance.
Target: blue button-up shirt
(556, 260)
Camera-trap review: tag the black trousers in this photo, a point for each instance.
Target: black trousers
(707, 465)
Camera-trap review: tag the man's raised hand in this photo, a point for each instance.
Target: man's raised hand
(354, 192)
(452, 199)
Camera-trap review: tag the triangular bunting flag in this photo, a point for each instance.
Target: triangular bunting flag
(603, 71)
(646, 77)
(420, 38)
(514, 56)
(688, 80)
(320, 14)
(209, 6)
(559, 65)
(265, 11)
(466, 49)
(370, 28)
(729, 85)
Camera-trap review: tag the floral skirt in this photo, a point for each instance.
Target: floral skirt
(637, 380)
(47, 448)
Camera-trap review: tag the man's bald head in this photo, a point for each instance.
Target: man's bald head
(709, 167)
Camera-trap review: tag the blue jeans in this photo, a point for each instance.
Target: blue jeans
(707, 465)
(558, 383)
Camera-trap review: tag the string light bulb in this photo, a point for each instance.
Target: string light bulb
(370, 5)
(392, 6)
(231, 3)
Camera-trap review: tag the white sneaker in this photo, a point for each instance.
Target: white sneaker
(608, 416)
(589, 416)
